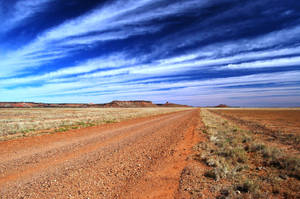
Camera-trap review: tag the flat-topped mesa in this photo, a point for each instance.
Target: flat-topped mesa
(168, 104)
(130, 104)
(113, 104)
(222, 106)
(18, 104)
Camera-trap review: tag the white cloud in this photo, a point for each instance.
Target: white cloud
(115, 35)
(124, 67)
(21, 11)
(105, 62)
(115, 18)
(53, 42)
(117, 15)
(108, 74)
(195, 87)
(231, 47)
(279, 62)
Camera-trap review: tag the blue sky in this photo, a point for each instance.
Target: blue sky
(196, 52)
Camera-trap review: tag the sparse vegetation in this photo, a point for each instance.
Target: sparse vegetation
(247, 166)
(281, 125)
(211, 174)
(28, 121)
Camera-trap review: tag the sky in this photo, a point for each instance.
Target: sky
(195, 52)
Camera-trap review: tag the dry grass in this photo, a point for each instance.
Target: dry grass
(28, 120)
(280, 124)
(251, 167)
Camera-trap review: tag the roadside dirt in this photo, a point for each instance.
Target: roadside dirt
(269, 158)
(140, 158)
(284, 120)
(280, 126)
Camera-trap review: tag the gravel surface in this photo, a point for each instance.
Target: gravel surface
(107, 161)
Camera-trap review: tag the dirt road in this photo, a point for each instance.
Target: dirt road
(140, 158)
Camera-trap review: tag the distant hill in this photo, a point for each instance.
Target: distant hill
(130, 104)
(113, 104)
(222, 106)
(167, 104)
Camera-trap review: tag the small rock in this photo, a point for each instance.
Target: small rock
(282, 176)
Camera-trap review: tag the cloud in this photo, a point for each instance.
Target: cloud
(154, 49)
(126, 21)
(281, 62)
(59, 42)
(19, 12)
(117, 15)
(122, 66)
(183, 88)
(115, 35)
(275, 40)
(105, 62)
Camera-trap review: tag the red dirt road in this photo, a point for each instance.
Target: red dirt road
(140, 158)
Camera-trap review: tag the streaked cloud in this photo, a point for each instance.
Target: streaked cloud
(156, 50)
(14, 15)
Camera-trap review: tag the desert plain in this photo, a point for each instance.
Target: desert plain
(174, 152)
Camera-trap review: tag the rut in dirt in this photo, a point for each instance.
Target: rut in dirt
(99, 162)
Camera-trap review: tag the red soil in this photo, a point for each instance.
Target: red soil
(282, 125)
(140, 158)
